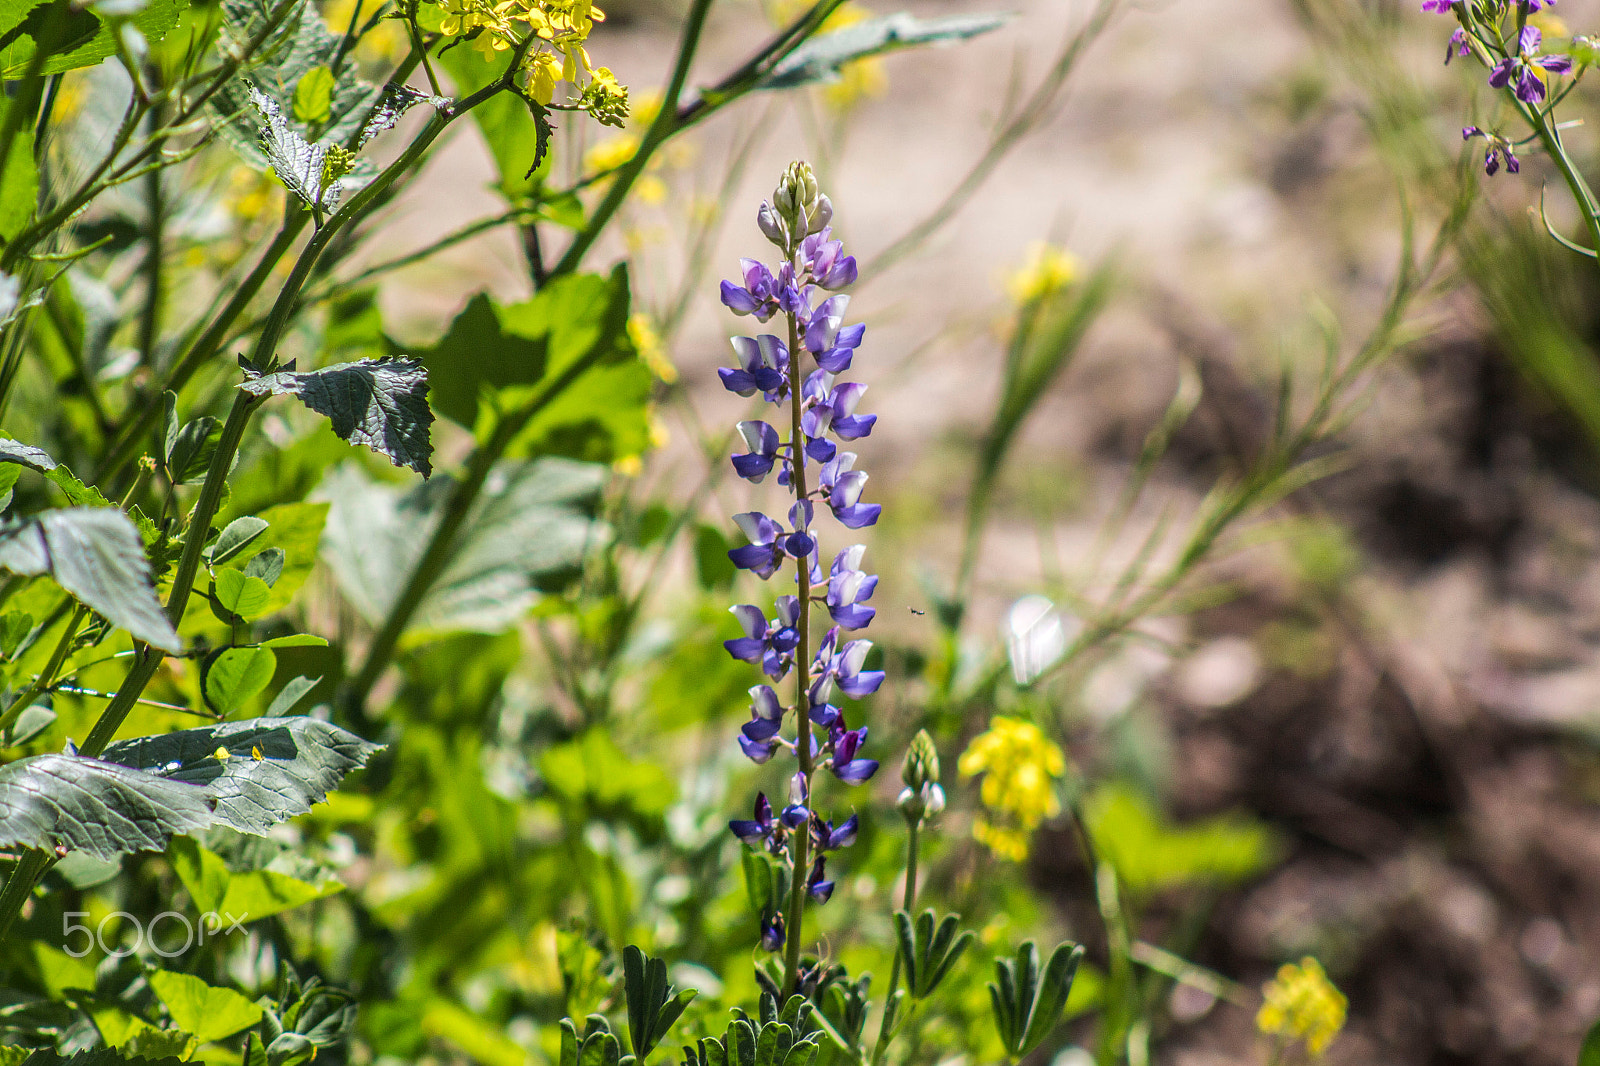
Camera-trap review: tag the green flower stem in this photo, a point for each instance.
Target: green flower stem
(1550, 138)
(885, 1033)
(48, 676)
(666, 124)
(154, 260)
(794, 914)
(24, 875)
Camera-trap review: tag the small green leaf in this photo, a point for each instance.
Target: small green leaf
(757, 880)
(267, 567)
(291, 693)
(29, 724)
(235, 537)
(238, 675)
(313, 96)
(240, 594)
(192, 449)
(296, 640)
(209, 1013)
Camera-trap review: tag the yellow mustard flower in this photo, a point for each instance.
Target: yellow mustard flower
(1302, 1004)
(1020, 766)
(1045, 270)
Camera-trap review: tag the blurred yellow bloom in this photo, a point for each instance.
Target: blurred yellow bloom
(610, 153)
(1551, 25)
(642, 332)
(251, 194)
(1302, 1004)
(1047, 269)
(387, 42)
(1020, 766)
(651, 190)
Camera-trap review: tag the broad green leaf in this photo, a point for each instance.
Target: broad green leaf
(313, 96)
(207, 1012)
(712, 566)
(819, 59)
(276, 767)
(241, 594)
(266, 567)
(532, 524)
(235, 537)
(117, 1025)
(202, 872)
(97, 807)
(59, 971)
(382, 403)
(567, 351)
(148, 1044)
(97, 556)
(19, 188)
(83, 42)
(237, 676)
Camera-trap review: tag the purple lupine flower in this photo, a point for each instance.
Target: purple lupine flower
(844, 764)
(1529, 87)
(1457, 47)
(843, 484)
(770, 644)
(833, 410)
(759, 830)
(762, 440)
(772, 932)
(763, 365)
(849, 588)
(757, 296)
(824, 837)
(825, 259)
(842, 668)
(1499, 149)
(801, 543)
(764, 554)
(819, 888)
(824, 714)
(797, 813)
(758, 738)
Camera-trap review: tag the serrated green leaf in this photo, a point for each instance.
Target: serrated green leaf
(819, 59)
(235, 537)
(381, 403)
(147, 1044)
(313, 96)
(531, 525)
(96, 555)
(237, 675)
(209, 1013)
(97, 807)
(241, 594)
(300, 761)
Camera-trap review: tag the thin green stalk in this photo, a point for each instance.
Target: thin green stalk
(665, 125)
(47, 676)
(885, 1033)
(794, 914)
(154, 262)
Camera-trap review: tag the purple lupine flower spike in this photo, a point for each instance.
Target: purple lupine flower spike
(849, 589)
(843, 485)
(757, 463)
(763, 366)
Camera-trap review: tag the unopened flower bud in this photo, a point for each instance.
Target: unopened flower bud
(799, 202)
(772, 226)
(820, 215)
(921, 763)
(917, 805)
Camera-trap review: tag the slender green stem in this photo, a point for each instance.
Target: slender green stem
(665, 125)
(47, 677)
(154, 262)
(794, 915)
(886, 1031)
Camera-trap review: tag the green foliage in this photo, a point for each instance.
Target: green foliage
(819, 59)
(928, 950)
(1150, 854)
(19, 190)
(59, 801)
(97, 556)
(1028, 1001)
(196, 1007)
(74, 38)
(380, 403)
(653, 1005)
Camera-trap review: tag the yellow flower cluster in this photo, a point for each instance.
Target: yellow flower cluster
(561, 26)
(1046, 270)
(1302, 1004)
(1020, 766)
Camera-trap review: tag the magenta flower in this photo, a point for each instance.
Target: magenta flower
(1499, 149)
(1519, 68)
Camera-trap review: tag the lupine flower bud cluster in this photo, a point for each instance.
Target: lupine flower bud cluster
(808, 462)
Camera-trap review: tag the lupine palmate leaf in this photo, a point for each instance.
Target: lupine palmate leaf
(819, 59)
(382, 403)
(531, 526)
(100, 808)
(95, 554)
(273, 769)
(653, 1004)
